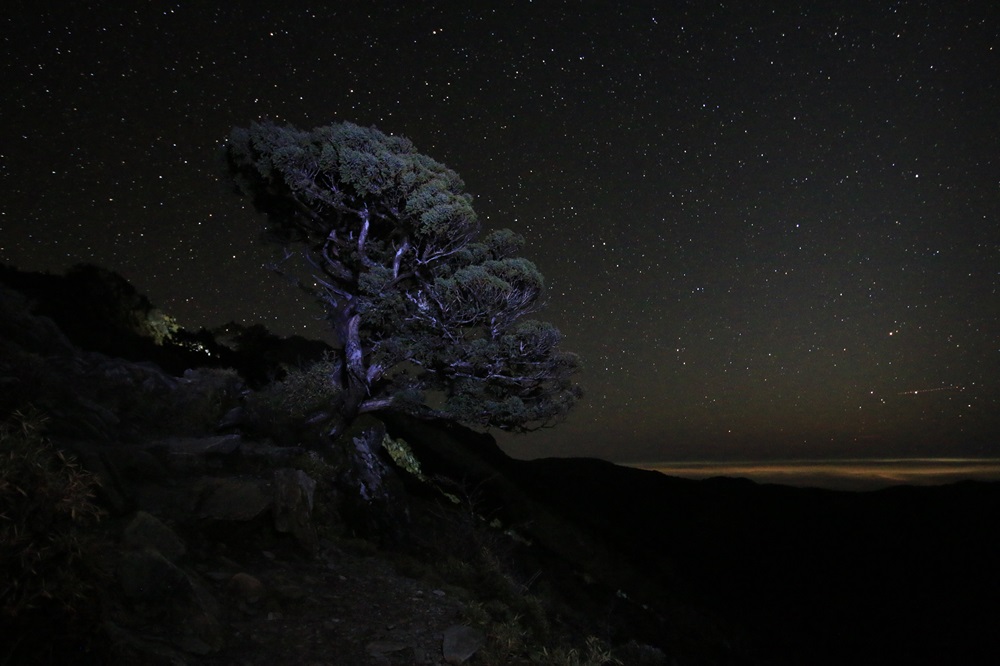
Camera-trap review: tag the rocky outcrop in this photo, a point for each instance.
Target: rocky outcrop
(294, 495)
(223, 547)
(375, 502)
(220, 543)
(461, 642)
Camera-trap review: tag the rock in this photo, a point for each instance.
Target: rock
(234, 499)
(146, 531)
(148, 376)
(246, 588)
(34, 333)
(461, 642)
(94, 418)
(201, 634)
(290, 592)
(182, 451)
(134, 464)
(146, 575)
(384, 647)
(232, 419)
(374, 501)
(368, 468)
(176, 501)
(172, 605)
(268, 453)
(293, 503)
(131, 648)
(641, 654)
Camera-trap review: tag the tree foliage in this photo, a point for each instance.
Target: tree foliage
(430, 318)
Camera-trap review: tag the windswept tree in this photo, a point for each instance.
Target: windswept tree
(430, 319)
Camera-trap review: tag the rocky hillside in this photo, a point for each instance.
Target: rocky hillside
(192, 517)
(189, 515)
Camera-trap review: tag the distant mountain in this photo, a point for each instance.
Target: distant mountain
(798, 576)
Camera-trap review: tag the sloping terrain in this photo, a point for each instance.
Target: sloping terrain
(187, 516)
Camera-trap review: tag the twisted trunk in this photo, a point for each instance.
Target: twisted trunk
(354, 383)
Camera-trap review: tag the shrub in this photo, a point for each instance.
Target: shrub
(48, 544)
(282, 408)
(594, 653)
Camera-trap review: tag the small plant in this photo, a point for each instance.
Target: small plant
(507, 642)
(307, 390)
(475, 613)
(595, 653)
(282, 409)
(399, 450)
(48, 546)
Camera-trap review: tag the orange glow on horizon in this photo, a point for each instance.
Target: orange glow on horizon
(856, 474)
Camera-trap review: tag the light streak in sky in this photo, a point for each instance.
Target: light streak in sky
(933, 390)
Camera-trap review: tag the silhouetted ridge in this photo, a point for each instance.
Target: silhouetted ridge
(99, 310)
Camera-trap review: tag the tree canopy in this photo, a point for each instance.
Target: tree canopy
(430, 318)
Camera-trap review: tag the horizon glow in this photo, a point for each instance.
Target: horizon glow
(839, 474)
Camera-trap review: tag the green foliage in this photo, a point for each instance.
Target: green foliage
(304, 391)
(512, 641)
(102, 398)
(430, 320)
(281, 409)
(345, 166)
(49, 551)
(403, 455)
(594, 653)
(160, 327)
(507, 642)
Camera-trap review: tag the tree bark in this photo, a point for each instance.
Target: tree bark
(355, 385)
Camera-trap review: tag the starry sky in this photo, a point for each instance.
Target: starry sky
(771, 229)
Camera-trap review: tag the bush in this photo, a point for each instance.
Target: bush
(48, 544)
(281, 409)
(594, 653)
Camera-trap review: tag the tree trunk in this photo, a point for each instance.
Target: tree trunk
(354, 383)
(346, 410)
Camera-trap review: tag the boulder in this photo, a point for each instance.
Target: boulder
(374, 501)
(169, 604)
(192, 454)
(461, 642)
(293, 504)
(246, 588)
(146, 575)
(146, 531)
(234, 499)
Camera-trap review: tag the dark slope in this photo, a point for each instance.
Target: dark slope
(903, 575)
(721, 571)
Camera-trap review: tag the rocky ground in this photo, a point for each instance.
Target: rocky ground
(190, 516)
(214, 551)
(344, 605)
(226, 536)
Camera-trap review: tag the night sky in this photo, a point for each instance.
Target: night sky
(770, 229)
